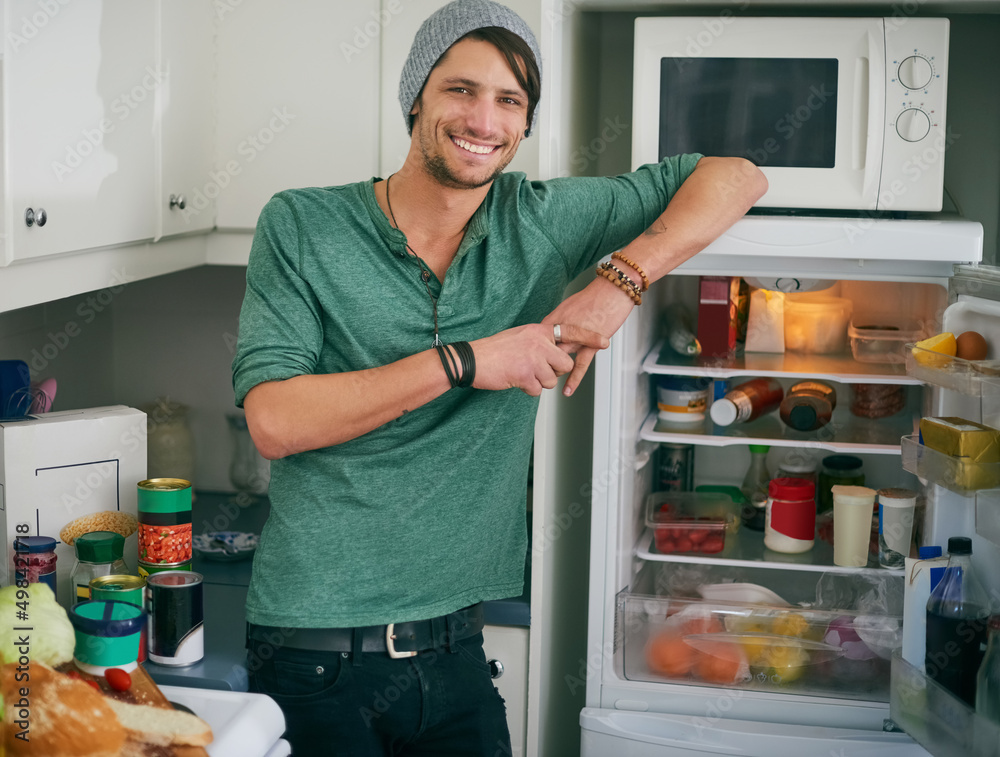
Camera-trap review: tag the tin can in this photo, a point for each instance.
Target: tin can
(164, 508)
(174, 602)
(148, 569)
(122, 588)
(675, 469)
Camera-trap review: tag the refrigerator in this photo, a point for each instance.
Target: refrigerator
(841, 688)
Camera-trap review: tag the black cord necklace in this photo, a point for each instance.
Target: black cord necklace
(425, 274)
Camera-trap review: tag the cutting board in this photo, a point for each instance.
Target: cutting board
(143, 691)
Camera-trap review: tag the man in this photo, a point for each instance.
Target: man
(393, 342)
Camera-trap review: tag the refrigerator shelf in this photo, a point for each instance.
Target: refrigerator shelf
(976, 378)
(841, 367)
(936, 719)
(747, 548)
(957, 474)
(846, 434)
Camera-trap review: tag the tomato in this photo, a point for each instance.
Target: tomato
(118, 679)
(92, 682)
(714, 543)
(684, 545)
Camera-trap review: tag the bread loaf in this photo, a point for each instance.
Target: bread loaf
(160, 726)
(64, 717)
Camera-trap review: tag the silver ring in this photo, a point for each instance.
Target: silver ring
(557, 333)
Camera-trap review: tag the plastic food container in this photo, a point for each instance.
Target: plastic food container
(691, 521)
(107, 635)
(816, 324)
(882, 339)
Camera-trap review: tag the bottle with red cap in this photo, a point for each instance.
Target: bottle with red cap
(790, 524)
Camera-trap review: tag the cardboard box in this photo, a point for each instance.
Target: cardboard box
(61, 466)
(717, 307)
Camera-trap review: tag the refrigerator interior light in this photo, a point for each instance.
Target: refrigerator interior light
(789, 284)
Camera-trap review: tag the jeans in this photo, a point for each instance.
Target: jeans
(441, 702)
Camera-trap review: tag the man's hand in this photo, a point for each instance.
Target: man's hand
(600, 307)
(528, 358)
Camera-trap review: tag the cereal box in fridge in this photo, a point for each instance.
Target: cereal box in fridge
(66, 473)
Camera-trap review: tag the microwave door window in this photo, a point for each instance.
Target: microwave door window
(776, 112)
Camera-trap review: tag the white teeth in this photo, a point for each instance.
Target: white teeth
(478, 149)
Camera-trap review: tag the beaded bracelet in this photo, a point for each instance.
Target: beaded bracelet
(623, 277)
(631, 290)
(636, 266)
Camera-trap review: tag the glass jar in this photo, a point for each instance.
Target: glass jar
(170, 443)
(98, 553)
(35, 560)
(844, 470)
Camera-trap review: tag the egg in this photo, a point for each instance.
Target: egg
(970, 345)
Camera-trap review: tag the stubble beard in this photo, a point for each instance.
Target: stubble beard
(440, 171)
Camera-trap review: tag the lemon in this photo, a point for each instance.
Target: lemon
(936, 351)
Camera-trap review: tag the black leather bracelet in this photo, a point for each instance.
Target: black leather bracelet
(450, 368)
(468, 358)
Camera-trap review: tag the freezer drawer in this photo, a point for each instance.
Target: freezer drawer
(645, 734)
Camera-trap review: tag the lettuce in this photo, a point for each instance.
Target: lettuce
(50, 640)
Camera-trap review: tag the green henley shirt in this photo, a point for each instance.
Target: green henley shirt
(425, 514)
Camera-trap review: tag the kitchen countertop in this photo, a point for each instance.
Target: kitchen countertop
(226, 584)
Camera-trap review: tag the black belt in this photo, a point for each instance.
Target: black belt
(395, 639)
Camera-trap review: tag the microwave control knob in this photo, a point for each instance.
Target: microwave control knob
(912, 124)
(914, 72)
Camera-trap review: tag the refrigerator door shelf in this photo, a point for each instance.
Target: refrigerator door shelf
(635, 734)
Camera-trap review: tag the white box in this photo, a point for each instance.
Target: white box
(57, 467)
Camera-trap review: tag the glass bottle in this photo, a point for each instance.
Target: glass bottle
(988, 680)
(754, 487)
(98, 553)
(808, 405)
(170, 443)
(957, 613)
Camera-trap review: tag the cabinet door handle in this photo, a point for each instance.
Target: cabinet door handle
(33, 217)
(496, 668)
(178, 202)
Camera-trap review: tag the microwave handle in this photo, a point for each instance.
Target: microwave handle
(869, 120)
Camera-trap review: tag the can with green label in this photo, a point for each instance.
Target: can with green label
(122, 588)
(148, 569)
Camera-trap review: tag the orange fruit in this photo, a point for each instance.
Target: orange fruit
(718, 662)
(935, 351)
(669, 655)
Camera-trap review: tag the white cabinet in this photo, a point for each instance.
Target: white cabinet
(80, 83)
(187, 182)
(297, 99)
(506, 650)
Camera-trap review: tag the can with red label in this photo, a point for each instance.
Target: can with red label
(175, 604)
(790, 519)
(164, 506)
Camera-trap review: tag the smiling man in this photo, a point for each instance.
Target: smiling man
(394, 339)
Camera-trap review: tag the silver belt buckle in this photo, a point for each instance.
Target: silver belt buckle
(390, 645)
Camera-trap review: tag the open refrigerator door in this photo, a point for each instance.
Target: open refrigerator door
(963, 499)
(701, 639)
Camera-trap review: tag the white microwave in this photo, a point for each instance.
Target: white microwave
(839, 113)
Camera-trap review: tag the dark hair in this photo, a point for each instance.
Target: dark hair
(512, 47)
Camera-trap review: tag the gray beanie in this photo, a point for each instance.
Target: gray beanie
(445, 27)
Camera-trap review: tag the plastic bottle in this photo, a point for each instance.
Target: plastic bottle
(747, 401)
(957, 614)
(754, 487)
(988, 680)
(808, 405)
(791, 516)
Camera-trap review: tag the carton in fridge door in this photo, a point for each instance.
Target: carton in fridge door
(67, 473)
